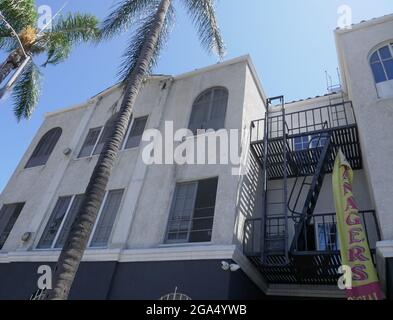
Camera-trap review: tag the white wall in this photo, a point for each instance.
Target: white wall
(143, 216)
(374, 114)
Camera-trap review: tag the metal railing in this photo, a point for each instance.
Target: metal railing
(324, 239)
(182, 229)
(312, 120)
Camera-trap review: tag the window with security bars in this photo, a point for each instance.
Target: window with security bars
(96, 137)
(44, 148)
(192, 212)
(65, 212)
(209, 110)
(9, 213)
(381, 62)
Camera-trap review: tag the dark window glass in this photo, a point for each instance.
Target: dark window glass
(375, 57)
(44, 148)
(301, 143)
(90, 142)
(382, 69)
(72, 213)
(385, 53)
(8, 215)
(328, 237)
(182, 211)
(106, 134)
(192, 213)
(107, 219)
(202, 225)
(136, 133)
(388, 64)
(378, 72)
(318, 141)
(209, 110)
(55, 221)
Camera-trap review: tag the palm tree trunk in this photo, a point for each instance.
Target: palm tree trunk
(13, 61)
(78, 238)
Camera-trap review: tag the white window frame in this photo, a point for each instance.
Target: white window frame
(89, 246)
(210, 109)
(123, 145)
(174, 243)
(329, 223)
(302, 143)
(95, 145)
(52, 247)
(96, 224)
(390, 46)
(127, 136)
(311, 138)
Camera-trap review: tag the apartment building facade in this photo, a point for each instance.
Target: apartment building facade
(168, 227)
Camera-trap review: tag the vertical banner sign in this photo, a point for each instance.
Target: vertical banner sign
(355, 251)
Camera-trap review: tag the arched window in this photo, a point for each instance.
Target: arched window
(381, 62)
(44, 148)
(209, 110)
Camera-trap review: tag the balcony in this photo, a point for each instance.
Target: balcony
(337, 119)
(317, 262)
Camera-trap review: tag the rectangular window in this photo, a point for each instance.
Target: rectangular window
(301, 143)
(9, 213)
(96, 138)
(192, 213)
(53, 227)
(136, 133)
(318, 141)
(64, 214)
(328, 237)
(388, 64)
(69, 220)
(106, 219)
(91, 142)
(105, 134)
(379, 73)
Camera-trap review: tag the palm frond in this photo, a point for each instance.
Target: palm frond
(124, 13)
(204, 17)
(66, 32)
(138, 39)
(19, 13)
(26, 92)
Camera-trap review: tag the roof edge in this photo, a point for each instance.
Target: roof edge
(364, 24)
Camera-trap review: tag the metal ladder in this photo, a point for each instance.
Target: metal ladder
(275, 213)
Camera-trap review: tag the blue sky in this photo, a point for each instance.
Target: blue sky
(290, 41)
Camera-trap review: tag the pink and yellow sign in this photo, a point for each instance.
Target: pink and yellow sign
(355, 251)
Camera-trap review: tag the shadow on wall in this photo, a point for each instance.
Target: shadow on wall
(249, 200)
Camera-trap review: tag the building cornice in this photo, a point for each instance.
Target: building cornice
(176, 253)
(243, 59)
(365, 24)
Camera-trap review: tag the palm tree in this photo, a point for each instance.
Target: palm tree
(139, 59)
(56, 42)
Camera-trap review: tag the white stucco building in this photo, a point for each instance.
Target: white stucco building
(167, 226)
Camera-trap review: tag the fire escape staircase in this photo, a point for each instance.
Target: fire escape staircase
(282, 243)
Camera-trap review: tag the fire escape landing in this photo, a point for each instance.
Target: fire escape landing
(291, 243)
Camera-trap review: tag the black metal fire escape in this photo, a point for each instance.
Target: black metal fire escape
(275, 213)
(283, 242)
